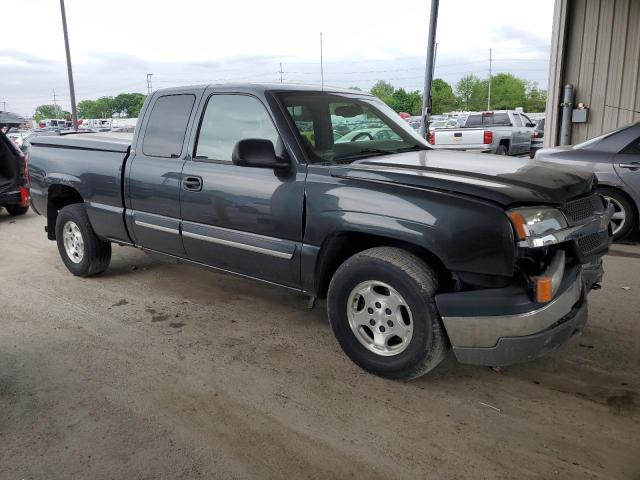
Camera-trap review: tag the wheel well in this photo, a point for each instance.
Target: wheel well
(339, 247)
(505, 142)
(58, 197)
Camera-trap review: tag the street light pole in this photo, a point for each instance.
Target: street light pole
(428, 74)
(72, 92)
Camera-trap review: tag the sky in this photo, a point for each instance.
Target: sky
(115, 43)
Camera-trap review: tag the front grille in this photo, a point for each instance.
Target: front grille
(593, 242)
(583, 208)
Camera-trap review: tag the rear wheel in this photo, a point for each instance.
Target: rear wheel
(82, 251)
(382, 311)
(624, 219)
(15, 210)
(502, 150)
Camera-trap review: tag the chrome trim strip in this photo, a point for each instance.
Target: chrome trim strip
(157, 227)
(242, 246)
(486, 331)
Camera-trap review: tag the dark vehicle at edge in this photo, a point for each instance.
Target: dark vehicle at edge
(14, 184)
(416, 250)
(614, 158)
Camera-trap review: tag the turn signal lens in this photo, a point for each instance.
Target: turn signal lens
(519, 224)
(544, 289)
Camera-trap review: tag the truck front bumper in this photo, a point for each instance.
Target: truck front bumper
(522, 331)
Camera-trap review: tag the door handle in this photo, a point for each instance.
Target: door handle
(192, 183)
(632, 165)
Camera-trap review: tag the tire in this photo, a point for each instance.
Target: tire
(15, 210)
(624, 219)
(502, 150)
(416, 283)
(92, 253)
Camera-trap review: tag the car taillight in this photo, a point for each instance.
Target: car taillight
(488, 137)
(432, 138)
(534, 134)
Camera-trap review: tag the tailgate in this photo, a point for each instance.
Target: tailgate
(459, 138)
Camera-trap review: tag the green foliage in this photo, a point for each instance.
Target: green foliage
(536, 98)
(464, 90)
(125, 105)
(507, 92)
(442, 97)
(49, 111)
(383, 90)
(398, 99)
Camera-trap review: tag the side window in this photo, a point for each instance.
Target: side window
(517, 121)
(303, 118)
(633, 148)
(228, 119)
(167, 126)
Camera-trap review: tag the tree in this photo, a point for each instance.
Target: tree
(383, 90)
(356, 88)
(442, 97)
(49, 111)
(403, 101)
(536, 98)
(464, 90)
(128, 104)
(507, 92)
(478, 99)
(86, 109)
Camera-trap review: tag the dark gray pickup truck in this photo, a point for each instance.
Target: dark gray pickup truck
(416, 250)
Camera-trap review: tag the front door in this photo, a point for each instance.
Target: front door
(243, 219)
(154, 175)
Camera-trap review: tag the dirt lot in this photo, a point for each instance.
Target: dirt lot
(163, 370)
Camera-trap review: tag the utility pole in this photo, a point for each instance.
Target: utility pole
(72, 92)
(428, 74)
(489, 93)
(149, 84)
(321, 64)
(4, 106)
(55, 104)
(281, 72)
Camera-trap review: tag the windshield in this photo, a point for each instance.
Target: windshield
(343, 128)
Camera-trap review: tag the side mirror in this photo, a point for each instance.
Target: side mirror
(530, 125)
(257, 153)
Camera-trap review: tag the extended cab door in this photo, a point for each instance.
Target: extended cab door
(243, 219)
(154, 172)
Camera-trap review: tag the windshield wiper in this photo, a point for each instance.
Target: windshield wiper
(369, 152)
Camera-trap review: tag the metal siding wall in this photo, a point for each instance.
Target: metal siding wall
(602, 60)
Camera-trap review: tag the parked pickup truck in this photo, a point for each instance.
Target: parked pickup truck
(504, 132)
(415, 250)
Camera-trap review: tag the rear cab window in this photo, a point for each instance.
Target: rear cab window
(167, 125)
(488, 119)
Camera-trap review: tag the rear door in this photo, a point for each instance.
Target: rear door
(154, 173)
(520, 145)
(244, 219)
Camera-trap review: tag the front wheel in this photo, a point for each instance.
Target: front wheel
(82, 251)
(623, 220)
(382, 311)
(15, 210)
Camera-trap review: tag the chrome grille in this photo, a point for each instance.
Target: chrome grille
(583, 208)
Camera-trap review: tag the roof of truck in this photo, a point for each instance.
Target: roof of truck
(263, 87)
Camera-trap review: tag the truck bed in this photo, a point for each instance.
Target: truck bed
(65, 160)
(106, 142)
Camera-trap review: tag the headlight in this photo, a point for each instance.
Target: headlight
(537, 225)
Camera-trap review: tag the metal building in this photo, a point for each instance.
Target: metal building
(595, 47)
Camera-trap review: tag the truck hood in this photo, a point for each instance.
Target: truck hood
(504, 180)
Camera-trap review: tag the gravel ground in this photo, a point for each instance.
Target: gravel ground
(163, 370)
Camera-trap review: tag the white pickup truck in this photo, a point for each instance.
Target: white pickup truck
(503, 132)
